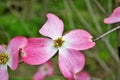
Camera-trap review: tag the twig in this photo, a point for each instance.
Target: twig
(98, 27)
(107, 43)
(105, 34)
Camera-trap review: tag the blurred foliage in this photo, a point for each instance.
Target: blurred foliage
(26, 17)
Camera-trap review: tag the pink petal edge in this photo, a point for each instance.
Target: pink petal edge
(53, 27)
(70, 62)
(13, 49)
(78, 39)
(114, 17)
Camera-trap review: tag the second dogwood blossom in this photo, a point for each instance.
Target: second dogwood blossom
(9, 56)
(44, 70)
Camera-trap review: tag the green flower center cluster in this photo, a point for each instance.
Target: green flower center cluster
(45, 68)
(58, 42)
(3, 58)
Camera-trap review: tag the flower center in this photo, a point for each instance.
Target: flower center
(58, 42)
(3, 58)
(45, 68)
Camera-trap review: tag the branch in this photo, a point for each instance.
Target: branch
(106, 42)
(105, 34)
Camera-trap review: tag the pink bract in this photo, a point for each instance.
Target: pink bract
(72, 62)
(44, 70)
(36, 51)
(12, 51)
(40, 50)
(114, 17)
(53, 27)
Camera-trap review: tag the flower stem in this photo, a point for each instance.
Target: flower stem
(105, 34)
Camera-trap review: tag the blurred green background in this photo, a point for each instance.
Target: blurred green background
(26, 17)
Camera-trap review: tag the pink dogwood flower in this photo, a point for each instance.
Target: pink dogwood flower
(45, 70)
(9, 56)
(81, 76)
(71, 60)
(114, 18)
